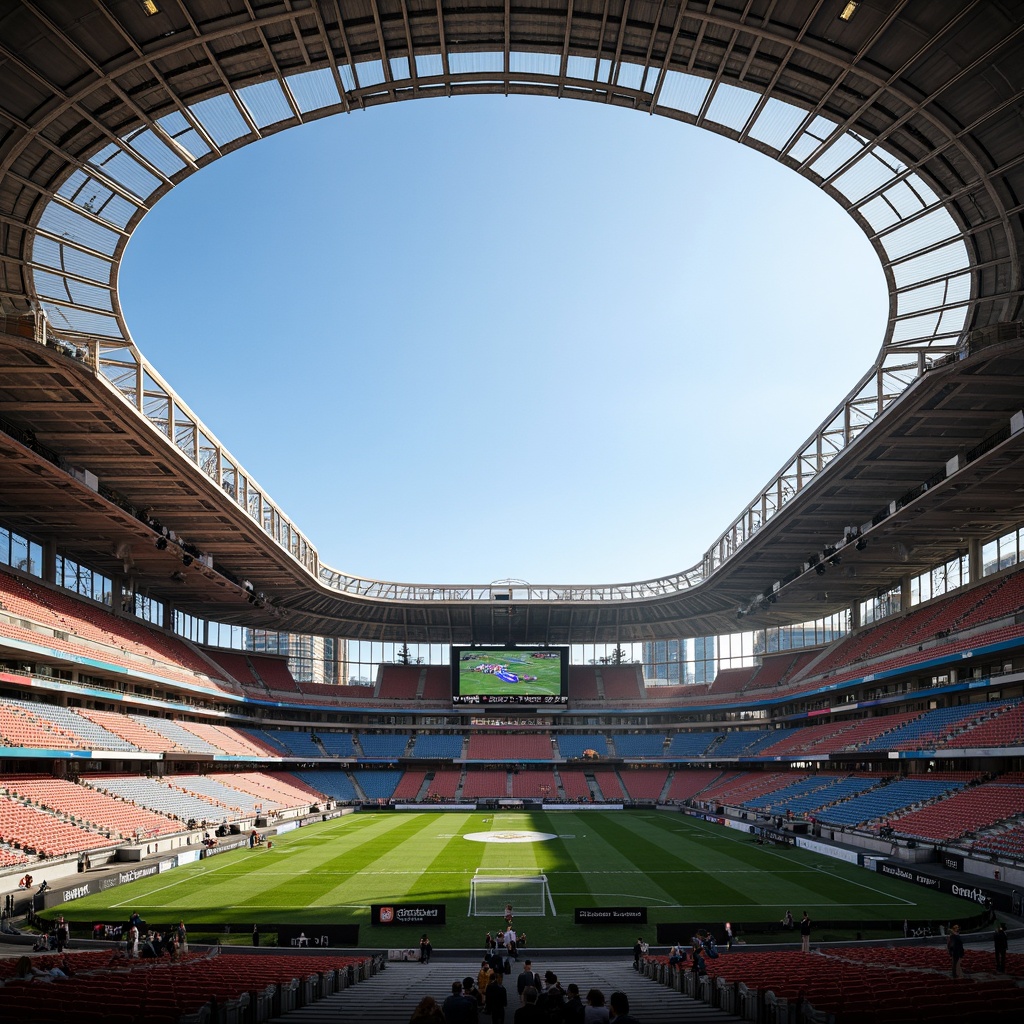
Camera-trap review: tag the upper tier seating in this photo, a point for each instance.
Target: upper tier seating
(274, 673)
(236, 664)
(438, 683)
(399, 682)
(639, 744)
(21, 728)
(744, 742)
(383, 745)
(731, 680)
(509, 747)
(292, 743)
(442, 746)
(1005, 728)
(131, 730)
(622, 682)
(92, 736)
(84, 628)
(746, 787)
(573, 745)
(274, 789)
(583, 683)
(179, 735)
(922, 732)
(1008, 844)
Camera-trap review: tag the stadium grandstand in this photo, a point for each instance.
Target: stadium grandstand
(861, 620)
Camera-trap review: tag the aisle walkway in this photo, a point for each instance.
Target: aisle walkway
(390, 996)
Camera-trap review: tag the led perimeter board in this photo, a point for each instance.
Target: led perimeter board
(495, 676)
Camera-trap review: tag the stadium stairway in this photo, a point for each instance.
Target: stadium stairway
(391, 995)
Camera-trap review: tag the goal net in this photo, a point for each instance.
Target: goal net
(527, 893)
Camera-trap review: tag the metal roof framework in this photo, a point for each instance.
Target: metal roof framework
(908, 114)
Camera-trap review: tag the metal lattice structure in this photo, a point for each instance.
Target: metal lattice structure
(907, 114)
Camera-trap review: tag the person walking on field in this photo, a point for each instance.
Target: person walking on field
(805, 933)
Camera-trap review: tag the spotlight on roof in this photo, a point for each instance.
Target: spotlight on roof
(846, 14)
(835, 560)
(186, 559)
(820, 569)
(861, 544)
(150, 7)
(161, 543)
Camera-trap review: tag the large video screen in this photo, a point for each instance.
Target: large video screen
(510, 675)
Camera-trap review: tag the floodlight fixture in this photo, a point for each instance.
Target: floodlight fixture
(847, 13)
(150, 7)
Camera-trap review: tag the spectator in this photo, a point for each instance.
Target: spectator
(595, 1012)
(255, 934)
(574, 1009)
(1000, 942)
(805, 933)
(527, 978)
(529, 1012)
(425, 949)
(427, 1012)
(496, 998)
(619, 1003)
(552, 999)
(459, 1008)
(483, 976)
(955, 947)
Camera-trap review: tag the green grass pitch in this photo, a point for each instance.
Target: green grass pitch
(681, 868)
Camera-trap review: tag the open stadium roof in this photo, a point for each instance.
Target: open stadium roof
(908, 114)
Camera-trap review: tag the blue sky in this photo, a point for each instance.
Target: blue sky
(482, 338)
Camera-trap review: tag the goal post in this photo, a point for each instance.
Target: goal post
(527, 892)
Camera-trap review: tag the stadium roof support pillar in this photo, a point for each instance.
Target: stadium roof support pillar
(975, 559)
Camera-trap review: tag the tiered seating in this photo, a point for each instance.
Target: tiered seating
(237, 666)
(180, 736)
(292, 743)
(337, 744)
(159, 797)
(70, 722)
(379, 784)
(100, 811)
(442, 746)
(334, 782)
(409, 786)
(1004, 729)
(744, 742)
(884, 801)
(399, 682)
(691, 744)
(10, 857)
(35, 831)
(575, 785)
(214, 789)
(748, 786)
(534, 784)
(731, 680)
(962, 813)
(644, 783)
(922, 732)
(622, 682)
(1006, 598)
(445, 784)
(21, 728)
(121, 641)
(639, 744)
(609, 785)
(384, 745)
(573, 746)
(779, 801)
(274, 673)
(582, 683)
(687, 783)
(275, 789)
(438, 683)
(272, 740)
(485, 783)
(802, 740)
(157, 992)
(1005, 844)
(855, 735)
(509, 747)
(131, 730)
